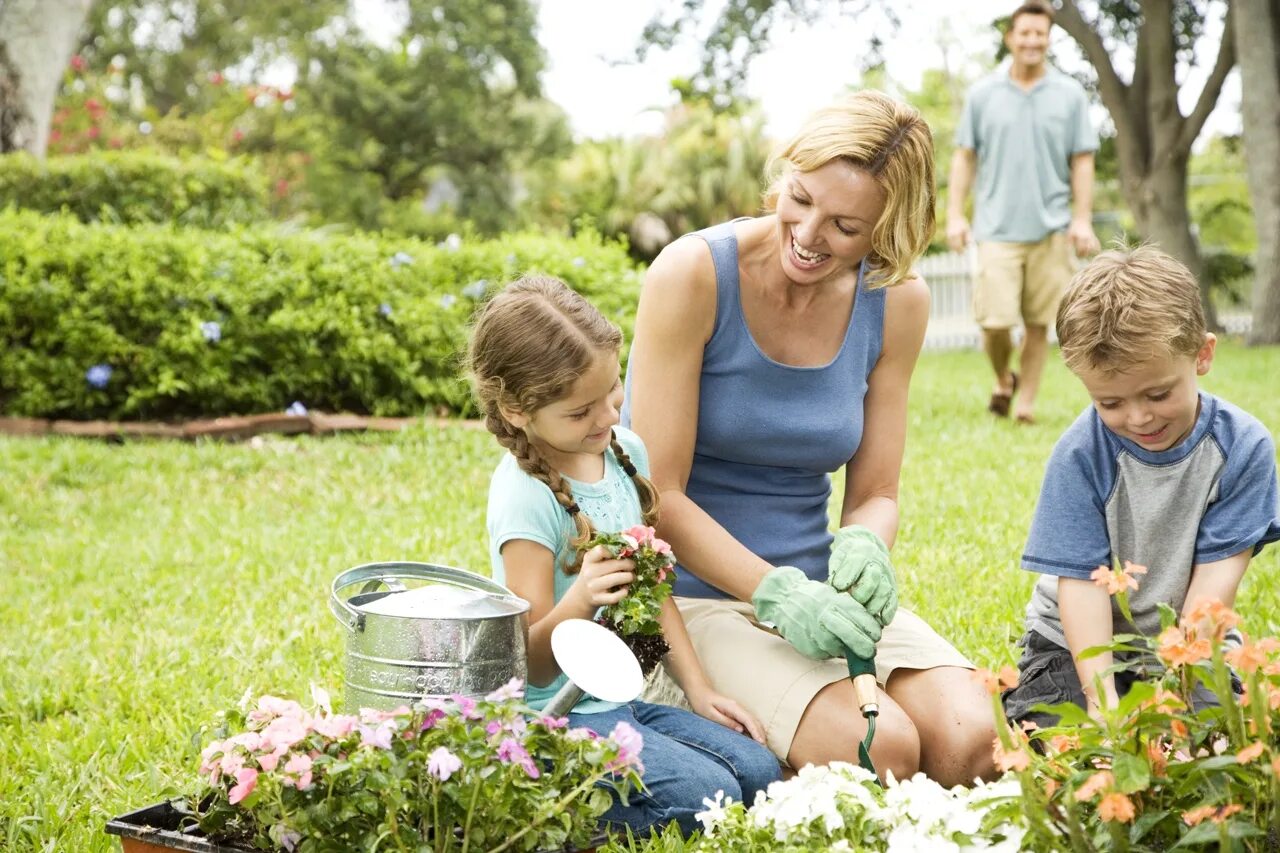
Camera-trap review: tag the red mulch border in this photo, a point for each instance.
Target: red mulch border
(227, 429)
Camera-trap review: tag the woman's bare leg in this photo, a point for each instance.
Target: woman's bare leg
(832, 727)
(953, 716)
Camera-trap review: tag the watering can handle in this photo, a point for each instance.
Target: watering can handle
(347, 615)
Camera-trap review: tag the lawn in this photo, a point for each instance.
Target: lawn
(148, 585)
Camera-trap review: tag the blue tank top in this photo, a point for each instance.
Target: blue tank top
(769, 434)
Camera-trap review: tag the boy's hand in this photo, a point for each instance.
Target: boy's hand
(820, 622)
(860, 566)
(719, 708)
(603, 579)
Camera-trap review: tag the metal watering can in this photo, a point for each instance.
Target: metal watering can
(454, 632)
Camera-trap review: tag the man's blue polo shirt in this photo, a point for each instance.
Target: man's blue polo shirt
(1024, 139)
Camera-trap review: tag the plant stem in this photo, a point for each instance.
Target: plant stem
(471, 810)
(561, 804)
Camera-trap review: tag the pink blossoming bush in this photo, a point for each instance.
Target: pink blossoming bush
(635, 617)
(441, 775)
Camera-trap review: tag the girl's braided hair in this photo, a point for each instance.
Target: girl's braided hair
(529, 344)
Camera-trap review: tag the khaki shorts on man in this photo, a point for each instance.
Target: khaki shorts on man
(1020, 283)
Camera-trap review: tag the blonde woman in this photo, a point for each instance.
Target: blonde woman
(768, 353)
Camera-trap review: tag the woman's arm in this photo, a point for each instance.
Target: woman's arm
(673, 324)
(871, 477)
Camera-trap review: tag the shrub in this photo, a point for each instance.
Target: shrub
(157, 322)
(133, 187)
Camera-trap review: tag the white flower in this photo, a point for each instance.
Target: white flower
(715, 812)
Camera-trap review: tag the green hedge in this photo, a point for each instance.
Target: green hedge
(132, 187)
(357, 323)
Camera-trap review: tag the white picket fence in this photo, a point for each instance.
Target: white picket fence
(951, 326)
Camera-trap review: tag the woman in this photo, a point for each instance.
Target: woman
(768, 352)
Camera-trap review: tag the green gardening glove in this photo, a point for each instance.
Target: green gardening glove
(860, 566)
(820, 622)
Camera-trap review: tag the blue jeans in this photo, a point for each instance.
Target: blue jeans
(686, 758)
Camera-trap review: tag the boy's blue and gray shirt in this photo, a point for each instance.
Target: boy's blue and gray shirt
(1106, 500)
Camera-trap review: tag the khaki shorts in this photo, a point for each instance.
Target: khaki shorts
(1021, 283)
(754, 665)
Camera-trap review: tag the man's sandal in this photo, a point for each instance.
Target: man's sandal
(1000, 401)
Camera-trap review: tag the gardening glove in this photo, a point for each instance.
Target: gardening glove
(820, 622)
(860, 566)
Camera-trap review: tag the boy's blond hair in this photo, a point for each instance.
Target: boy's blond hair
(891, 142)
(1127, 306)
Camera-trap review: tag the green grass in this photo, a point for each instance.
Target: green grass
(148, 585)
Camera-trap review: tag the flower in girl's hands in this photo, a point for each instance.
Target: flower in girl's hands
(635, 617)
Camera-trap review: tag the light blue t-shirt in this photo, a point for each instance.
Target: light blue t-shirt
(1106, 500)
(521, 507)
(1024, 139)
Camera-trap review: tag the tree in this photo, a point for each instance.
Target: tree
(1153, 137)
(36, 42)
(1257, 33)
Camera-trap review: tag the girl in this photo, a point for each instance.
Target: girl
(544, 365)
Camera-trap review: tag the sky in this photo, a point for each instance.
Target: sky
(591, 72)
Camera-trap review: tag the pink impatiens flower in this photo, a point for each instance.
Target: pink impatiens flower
(513, 689)
(379, 736)
(297, 772)
(246, 781)
(629, 744)
(511, 751)
(442, 763)
(336, 726)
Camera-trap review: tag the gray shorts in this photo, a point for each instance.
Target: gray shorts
(1047, 675)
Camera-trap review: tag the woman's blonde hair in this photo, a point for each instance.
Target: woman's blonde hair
(889, 141)
(529, 344)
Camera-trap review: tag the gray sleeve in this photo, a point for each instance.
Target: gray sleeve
(1084, 137)
(966, 130)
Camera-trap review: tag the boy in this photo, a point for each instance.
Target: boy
(1155, 472)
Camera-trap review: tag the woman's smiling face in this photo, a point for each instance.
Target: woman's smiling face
(825, 220)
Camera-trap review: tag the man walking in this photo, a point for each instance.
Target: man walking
(1025, 133)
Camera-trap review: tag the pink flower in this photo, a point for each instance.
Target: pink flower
(511, 751)
(335, 726)
(298, 772)
(207, 755)
(433, 716)
(231, 763)
(283, 731)
(270, 707)
(246, 781)
(630, 743)
(642, 534)
(466, 706)
(513, 689)
(249, 740)
(379, 737)
(442, 764)
(581, 733)
(661, 546)
(553, 722)
(373, 715)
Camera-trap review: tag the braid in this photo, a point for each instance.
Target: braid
(532, 463)
(645, 488)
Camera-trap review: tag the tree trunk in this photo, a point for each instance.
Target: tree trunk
(36, 41)
(1257, 29)
(1153, 138)
(1159, 205)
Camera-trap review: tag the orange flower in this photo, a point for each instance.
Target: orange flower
(1050, 787)
(1248, 658)
(1013, 759)
(1008, 677)
(1157, 754)
(1099, 781)
(1250, 752)
(1116, 806)
(1165, 701)
(1214, 615)
(1064, 743)
(1178, 728)
(1177, 649)
(1275, 766)
(1226, 812)
(1113, 581)
(1198, 814)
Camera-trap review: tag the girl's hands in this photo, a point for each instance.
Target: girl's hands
(603, 580)
(727, 712)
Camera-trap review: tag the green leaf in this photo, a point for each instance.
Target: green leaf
(1131, 772)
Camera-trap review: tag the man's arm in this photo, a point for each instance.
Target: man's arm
(1080, 231)
(964, 165)
(1085, 610)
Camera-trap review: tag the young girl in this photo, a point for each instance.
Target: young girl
(544, 365)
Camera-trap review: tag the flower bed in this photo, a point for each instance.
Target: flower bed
(444, 775)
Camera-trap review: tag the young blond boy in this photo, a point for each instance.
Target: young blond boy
(1154, 472)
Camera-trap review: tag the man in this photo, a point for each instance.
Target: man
(1025, 132)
